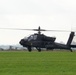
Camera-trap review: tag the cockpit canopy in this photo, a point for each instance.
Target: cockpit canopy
(31, 37)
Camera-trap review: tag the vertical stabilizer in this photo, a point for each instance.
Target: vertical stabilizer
(70, 38)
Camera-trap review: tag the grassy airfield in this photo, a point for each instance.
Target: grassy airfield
(37, 63)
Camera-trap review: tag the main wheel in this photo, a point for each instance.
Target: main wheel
(71, 50)
(29, 49)
(39, 49)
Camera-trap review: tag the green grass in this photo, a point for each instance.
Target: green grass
(37, 63)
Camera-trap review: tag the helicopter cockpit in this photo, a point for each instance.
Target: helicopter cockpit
(31, 37)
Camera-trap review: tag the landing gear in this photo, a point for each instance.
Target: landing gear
(39, 49)
(71, 50)
(29, 49)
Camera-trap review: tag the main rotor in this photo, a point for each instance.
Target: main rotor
(39, 30)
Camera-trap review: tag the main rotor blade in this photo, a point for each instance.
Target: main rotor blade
(59, 30)
(62, 30)
(23, 29)
(15, 29)
(38, 30)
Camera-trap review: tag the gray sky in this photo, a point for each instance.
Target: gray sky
(49, 14)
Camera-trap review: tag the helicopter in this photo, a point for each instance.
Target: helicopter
(40, 41)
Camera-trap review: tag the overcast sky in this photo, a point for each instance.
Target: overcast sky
(29, 14)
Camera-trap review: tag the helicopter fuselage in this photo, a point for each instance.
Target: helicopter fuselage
(42, 41)
(37, 40)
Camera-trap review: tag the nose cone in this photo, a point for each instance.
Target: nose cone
(22, 42)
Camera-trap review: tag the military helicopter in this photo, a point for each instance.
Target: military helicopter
(39, 40)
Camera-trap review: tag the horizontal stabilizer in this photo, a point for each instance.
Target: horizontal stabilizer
(73, 46)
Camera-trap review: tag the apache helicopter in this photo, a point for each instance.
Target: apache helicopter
(40, 41)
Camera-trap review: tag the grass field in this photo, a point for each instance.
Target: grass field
(37, 63)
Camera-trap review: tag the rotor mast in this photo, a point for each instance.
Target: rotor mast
(39, 30)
